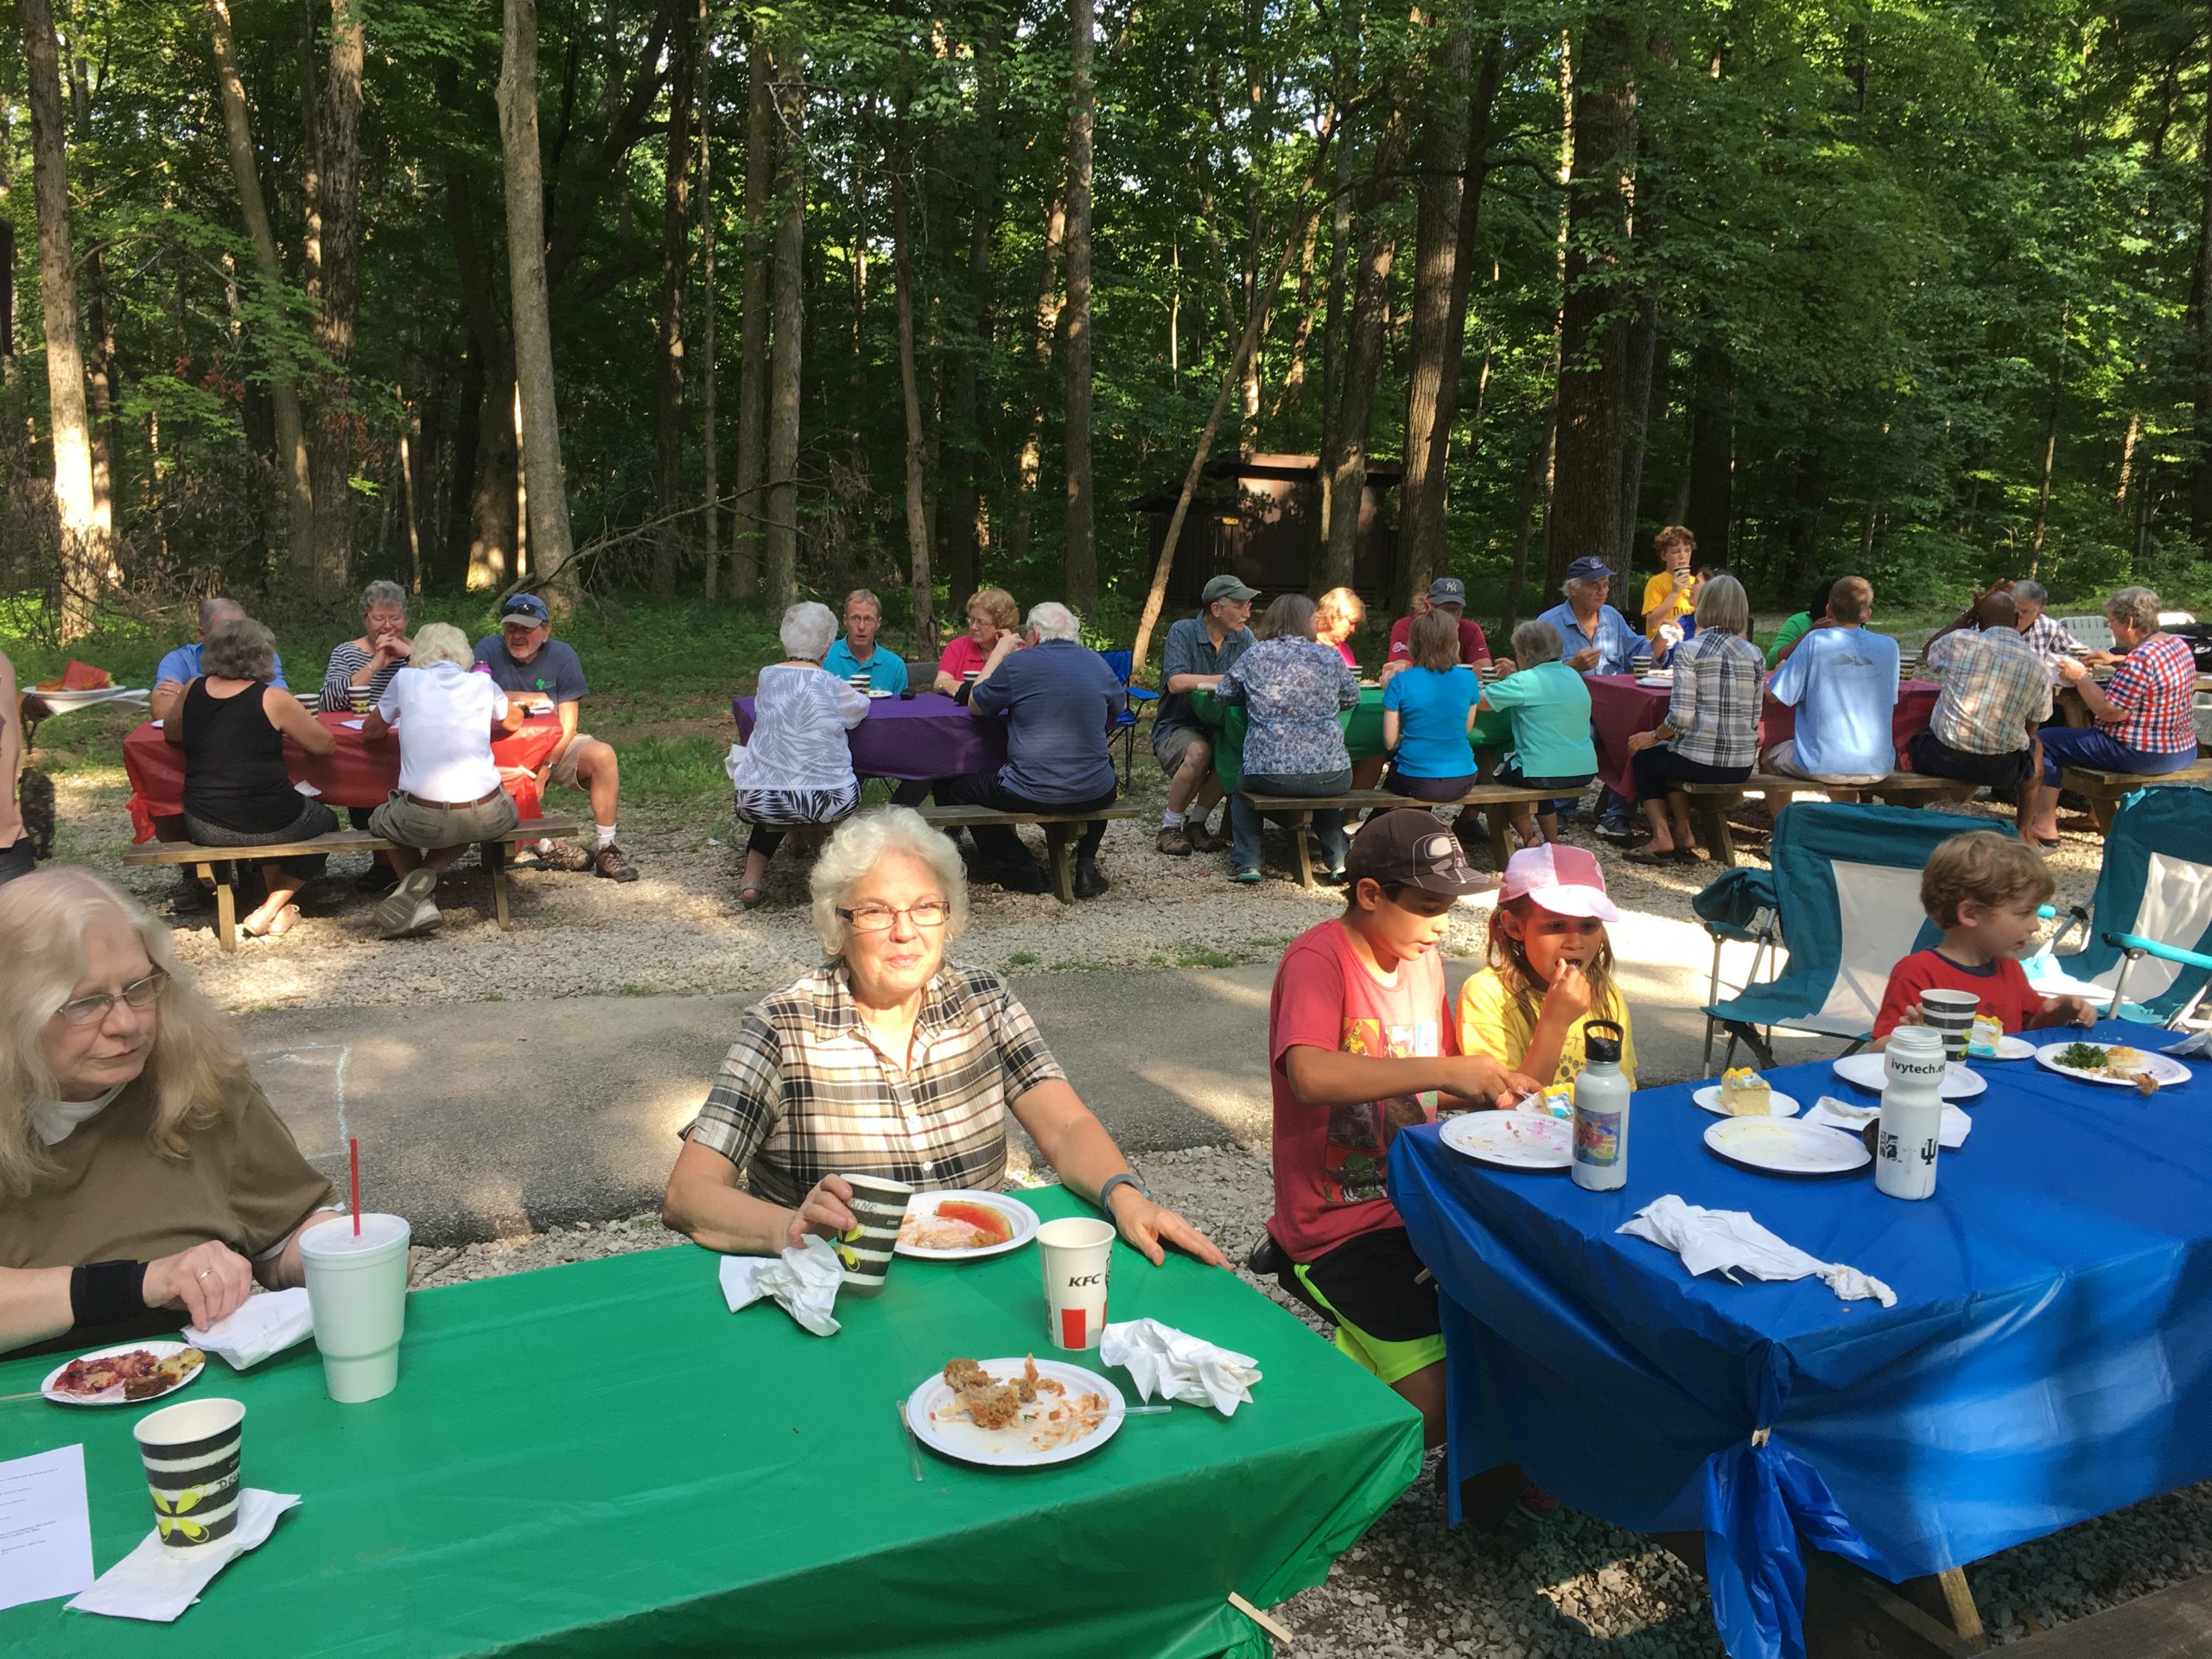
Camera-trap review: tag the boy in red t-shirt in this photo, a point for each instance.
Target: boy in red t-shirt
(1360, 1045)
(1983, 890)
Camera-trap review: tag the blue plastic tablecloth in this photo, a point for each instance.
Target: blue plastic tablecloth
(2049, 1358)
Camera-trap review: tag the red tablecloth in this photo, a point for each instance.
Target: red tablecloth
(359, 774)
(1619, 709)
(915, 740)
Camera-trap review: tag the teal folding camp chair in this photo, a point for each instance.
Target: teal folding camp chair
(2148, 954)
(1844, 906)
(1125, 722)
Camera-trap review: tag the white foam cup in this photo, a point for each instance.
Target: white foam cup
(1078, 1254)
(357, 1290)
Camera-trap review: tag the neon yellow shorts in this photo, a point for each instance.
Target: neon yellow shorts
(1390, 1362)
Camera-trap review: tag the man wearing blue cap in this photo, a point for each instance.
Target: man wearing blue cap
(1598, 640)
(524, 658)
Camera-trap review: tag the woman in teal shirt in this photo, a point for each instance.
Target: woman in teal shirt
(1549, 707)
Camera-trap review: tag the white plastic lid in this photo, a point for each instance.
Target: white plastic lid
(336, 1237)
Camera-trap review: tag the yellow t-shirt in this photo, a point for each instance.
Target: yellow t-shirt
(1660, 591)
(1491, 1022)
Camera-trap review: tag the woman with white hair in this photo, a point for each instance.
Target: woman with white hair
(141, 1167)
(796, 768)
(231, 723)
(888, 1060)
(361, 667)
(449, 796)
(2144, 720)
(1711, 734)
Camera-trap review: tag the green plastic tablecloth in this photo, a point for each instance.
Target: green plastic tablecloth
(1363, 731)
(602, 1459)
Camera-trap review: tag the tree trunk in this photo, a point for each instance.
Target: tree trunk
(1082, 552)
(338, 172)
(789, 280)
(100, 333)
(1712, 507)
(1809, 483)
(1640, 376)
(1585, 512)
(87, 535)
(1347, 462)
(283, 382)
(747, 541)
(551, 550)
(1333, 326)
(710, 526)
(970, 541)
(917, 528)
(1533, 477)
(675, 278)
(1029, 466)
(2050, 448)
(2200, 321)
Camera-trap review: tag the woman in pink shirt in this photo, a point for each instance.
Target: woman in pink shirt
(991, 612)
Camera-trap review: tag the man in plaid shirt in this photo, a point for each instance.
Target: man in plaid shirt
(1996, 694)
(2144, 723)
(2044, 634)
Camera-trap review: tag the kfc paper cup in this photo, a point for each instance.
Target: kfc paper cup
(357, 1290)
(879, 1205)
(1078, 1254)
(191, 1454)
(1950, 1014)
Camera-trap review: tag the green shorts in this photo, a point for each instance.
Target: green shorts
(1390, 1362)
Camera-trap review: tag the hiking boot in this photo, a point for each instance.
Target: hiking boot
(1025, 876)
(1174, 841)
(614, 864)
(564, 855)
(377, 880)
(1202, 839)
(1089, 880)
(408, 910)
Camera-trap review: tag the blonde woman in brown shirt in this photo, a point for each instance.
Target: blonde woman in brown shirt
(141, 1167)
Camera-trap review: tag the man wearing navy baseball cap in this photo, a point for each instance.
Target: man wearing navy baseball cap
(1596, 639)
(524, 659)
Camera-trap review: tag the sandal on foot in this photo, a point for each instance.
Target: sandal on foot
(753, 896)
(1645, 856)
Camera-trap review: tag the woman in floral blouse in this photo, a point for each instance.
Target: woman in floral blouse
(1291, 689)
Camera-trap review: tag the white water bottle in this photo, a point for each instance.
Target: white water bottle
(1912, 1114)
(1601, 1111)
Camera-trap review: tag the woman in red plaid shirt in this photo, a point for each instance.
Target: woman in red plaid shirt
(2143, 722)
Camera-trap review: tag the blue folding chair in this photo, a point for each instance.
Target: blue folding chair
(1126, 723)
(1843, 900)
(2149, 925)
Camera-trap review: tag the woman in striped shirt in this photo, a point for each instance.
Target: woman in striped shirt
(364, 666)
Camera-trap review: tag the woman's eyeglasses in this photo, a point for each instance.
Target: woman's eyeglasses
(139, 994)
(878, 919)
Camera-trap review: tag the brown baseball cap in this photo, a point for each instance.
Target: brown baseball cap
(1409, 847)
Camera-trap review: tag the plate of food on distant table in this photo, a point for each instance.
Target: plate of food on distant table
(129, 1374)
(960, 1225)
(2113, 1063)
(1015, 1413)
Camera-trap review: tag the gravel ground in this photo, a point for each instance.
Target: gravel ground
(1572, 1587)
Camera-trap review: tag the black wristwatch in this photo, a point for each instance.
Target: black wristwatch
(1106, 1192)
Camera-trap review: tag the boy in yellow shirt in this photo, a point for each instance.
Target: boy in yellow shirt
(1672, 594)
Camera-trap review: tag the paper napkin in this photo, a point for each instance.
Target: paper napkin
(156, 1582)
(263, 1325)
(804, 1281)
(1177, 1365)
(1729, 1243)
(1833, 1113)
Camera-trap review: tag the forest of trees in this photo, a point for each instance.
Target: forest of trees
(743, 302)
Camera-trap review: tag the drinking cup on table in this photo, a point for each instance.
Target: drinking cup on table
(865, 1250)
(858, 682)
(1950, 1016)
(1078, 1256)
(191, 1454)
(361, 698)
(356, 1291)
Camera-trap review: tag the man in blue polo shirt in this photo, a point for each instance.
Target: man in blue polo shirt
(181, 666)
(1595, 639)
(857, 654)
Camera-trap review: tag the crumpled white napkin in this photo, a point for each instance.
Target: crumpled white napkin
(1179, 1366)
(1730, 1242)
(156, 1582)
(1833, 1113)
(2198, 1043)
(263, 1325)
(803, 1280)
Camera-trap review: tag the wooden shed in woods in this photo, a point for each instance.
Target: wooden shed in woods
(1258, 517)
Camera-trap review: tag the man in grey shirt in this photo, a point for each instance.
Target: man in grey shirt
(1199, 650)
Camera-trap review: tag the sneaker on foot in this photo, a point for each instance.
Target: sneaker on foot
(1174, 841)
(565, 855)
(1615, 830)
(614, 864)
(1089, 880)
(375, 881)
(401, 913)
(1246, 876)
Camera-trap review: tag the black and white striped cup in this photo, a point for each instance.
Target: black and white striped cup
(879, 1205)
(191, 1454)
(1950, 1014)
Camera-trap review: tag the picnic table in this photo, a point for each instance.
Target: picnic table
(913, 740)
(2049, 1358)
(602, 1457)
(359, 774)
(1363, 731)
(1620, 708)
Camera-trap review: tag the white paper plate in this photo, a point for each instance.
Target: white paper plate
(114, 1396)
(1009, 1447)
(2008, 1048)
(1784, 1146)
(1778, 1105)
(875, 691)
(1872, 1071)
(1024, 1220)
(1512, 1140)
(2161, 1069)
(1657, 682)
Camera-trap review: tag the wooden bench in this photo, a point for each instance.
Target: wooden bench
(2106, 790)
(217, 867)
(1709, 803)
(1061, 831)
(1298, 811)
(2175, 1623)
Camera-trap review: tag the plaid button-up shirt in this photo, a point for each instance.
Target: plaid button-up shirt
(2151, 688)
(805, 1092)
(1719, 690)
(1994, 687)
(2051, 639)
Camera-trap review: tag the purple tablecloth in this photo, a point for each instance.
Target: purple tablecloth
(927, 738)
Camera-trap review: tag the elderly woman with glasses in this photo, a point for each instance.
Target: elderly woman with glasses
(141, 1167)
(888, 1060)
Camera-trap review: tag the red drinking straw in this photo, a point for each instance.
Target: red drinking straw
(353, 1157)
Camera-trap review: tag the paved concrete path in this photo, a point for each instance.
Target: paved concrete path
(491, 1118)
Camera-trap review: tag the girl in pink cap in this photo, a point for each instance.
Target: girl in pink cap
(1550, 971)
